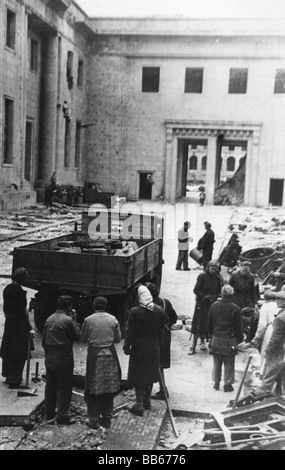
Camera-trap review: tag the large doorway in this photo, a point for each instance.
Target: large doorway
(276, 192)
(191, 164)
(28, 150)
(145, 182)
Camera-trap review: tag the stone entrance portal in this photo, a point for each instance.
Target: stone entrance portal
(179, 132)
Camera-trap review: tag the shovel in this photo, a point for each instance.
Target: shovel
(176, 434)
(24, 390)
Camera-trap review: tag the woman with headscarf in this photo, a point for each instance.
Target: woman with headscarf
(207, 289)
(17, 330)
(142, 343)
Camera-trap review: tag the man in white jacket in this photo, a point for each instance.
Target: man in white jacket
(183, 247)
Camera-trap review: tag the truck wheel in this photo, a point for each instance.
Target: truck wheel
(44, 306)
(107, 203)
(40, 317)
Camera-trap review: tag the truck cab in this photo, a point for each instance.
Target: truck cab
(93, 193)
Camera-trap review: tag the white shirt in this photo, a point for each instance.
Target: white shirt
(181, 235)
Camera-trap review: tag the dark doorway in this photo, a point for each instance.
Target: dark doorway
(276, 192)
(146, 182)
(28, 150)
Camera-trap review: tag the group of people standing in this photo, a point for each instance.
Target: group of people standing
(230, 316)
(225, 316)
(147, 343)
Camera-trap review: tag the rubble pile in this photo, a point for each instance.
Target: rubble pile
(231, 192)
(259, 227)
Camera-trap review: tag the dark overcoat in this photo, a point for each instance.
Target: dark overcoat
(207, 289)
(14, 344)
(142, 341)
(244, 289)
(165, 343)
(224, 327)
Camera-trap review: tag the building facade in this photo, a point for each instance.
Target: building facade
(44, 56)
(138, 105)
(168, 85)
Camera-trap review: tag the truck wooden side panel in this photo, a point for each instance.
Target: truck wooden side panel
(88, 273)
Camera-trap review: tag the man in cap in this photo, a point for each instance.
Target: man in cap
(206, 244)
(183, 247)
(242, 280)
(225, 332)
(17, 330)
(274, 352)
(60, 331)
(103, 372)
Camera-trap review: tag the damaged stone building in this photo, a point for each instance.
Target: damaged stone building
(116, 100)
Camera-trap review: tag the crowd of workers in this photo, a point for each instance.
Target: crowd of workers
(228, 317)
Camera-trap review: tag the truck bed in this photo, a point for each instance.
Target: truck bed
(86, 272)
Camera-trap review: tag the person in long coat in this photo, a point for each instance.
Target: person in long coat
(142, 343)
(242, 280)
(17, 330)
(206, 244)
(225, 332)
(101, 331)
(165, 344)
(207, 289)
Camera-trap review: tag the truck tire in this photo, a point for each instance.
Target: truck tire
(107, 202)
(44, 306)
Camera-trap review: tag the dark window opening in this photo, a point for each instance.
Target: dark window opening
(146, 182)
(231, 162)
(193, 80)
(193, 162)
(80, 73)
(150, 79)
(276, 191)
(279, 81)
(231, 148)
(11, 30)
(238, 81)
(28, 150)
(8, 131)
(204, 163)
(77, 144)
(67, 139)
(69, 69)
(194, 146)
(34, 55)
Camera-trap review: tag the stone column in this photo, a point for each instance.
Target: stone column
(173, 178)
(211, 169)
(168, 164)
(251, 170)
(49, 111)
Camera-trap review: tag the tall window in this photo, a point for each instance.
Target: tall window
(11, 29)
(238, 81)
(80, 73)
(231, 163)
(279, 81)
(150, 79)
(77, 144)
(8, 130)
(193, 80)
(193, 163)
(69, 69)
(67, 139)
(204, 163)
(34, 55)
